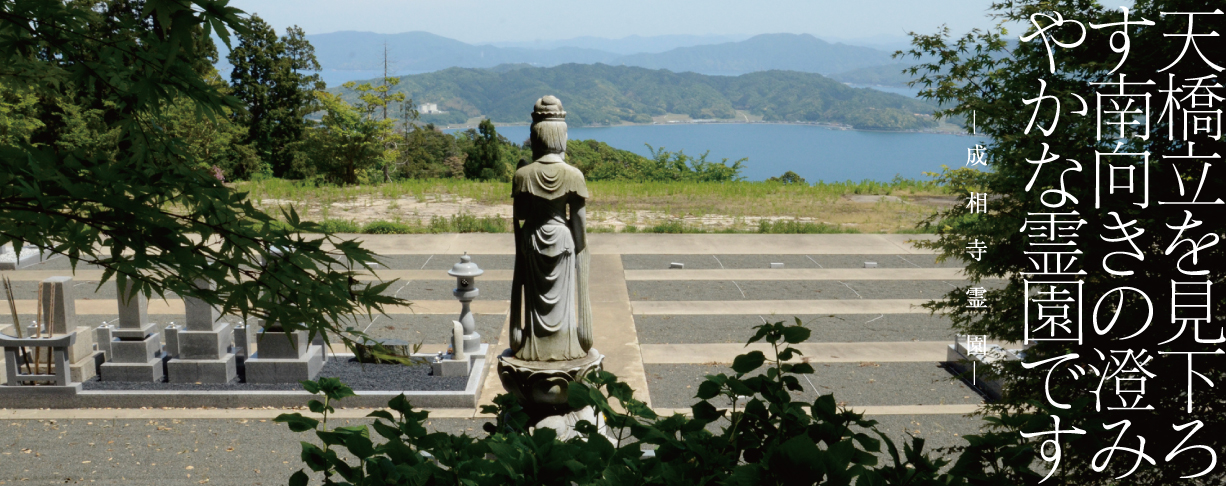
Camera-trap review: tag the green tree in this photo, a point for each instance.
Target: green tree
(349, 141)
(426, 152)
(989, 76)
(139, 206)
(216, 142)
(486, 158)
(269, 77)
(379, 99)
(18, 114)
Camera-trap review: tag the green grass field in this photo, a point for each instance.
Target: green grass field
(451, 205)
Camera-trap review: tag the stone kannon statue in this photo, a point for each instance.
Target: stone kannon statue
(551, 317)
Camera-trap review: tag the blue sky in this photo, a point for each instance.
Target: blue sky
(479, 21)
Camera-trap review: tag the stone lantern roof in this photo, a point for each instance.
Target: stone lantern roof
(466, 268)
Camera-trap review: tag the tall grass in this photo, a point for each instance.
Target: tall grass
(800, 227)
(460, 223)
(499, 192)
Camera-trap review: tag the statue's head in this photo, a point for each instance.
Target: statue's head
(548, 127)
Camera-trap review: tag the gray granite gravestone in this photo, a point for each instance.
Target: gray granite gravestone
(136, 347)
(202, 348)
(59, 312)
(280, 356)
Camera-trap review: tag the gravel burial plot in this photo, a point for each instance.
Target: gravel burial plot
(825, 328)
(444, 262)
(727, 290)
(868, 383)
(653, 262)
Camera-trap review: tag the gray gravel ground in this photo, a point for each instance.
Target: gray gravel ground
(868, 383)
(725, 290)
(162, 452)
(652, 262)
(936, 430)
(251, 452)
(826, 328)
(376, 377)
(441, 290)
(444, 262)
(886, 261)
(656, 262)
(431, 328)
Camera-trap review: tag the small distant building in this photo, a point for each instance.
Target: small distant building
(430, 109)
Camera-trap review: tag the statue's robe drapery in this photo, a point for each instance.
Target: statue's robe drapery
(551, 318)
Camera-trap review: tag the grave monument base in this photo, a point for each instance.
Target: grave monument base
(221, 370)
(133, 360)
(284, 370)
(86, 367)
(457, 367)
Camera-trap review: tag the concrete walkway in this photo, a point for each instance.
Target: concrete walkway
(781, 307)
(616, 336)
(799, 274)
(955, 409)
(655, 244)
(812, 352)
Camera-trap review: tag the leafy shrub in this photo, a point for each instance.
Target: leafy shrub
(763, 438)
(467, 223)
(792, 227)
(339, 226)
(669, 227)
(380, 227)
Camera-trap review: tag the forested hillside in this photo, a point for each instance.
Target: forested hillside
(600, 94)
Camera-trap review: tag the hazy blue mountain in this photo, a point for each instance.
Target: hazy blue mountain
(600, 94)
(793, 52)
(628, 45)
(420, 52)
(882, 42)
(350, 55)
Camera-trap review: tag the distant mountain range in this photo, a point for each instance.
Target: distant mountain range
(601, 94)
(628, 45)
(792, 52)
(359, 55)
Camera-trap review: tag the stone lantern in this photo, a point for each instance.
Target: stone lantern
(465, 342)
(466, 273)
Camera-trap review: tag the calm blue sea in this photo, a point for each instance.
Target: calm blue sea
(816, 153)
